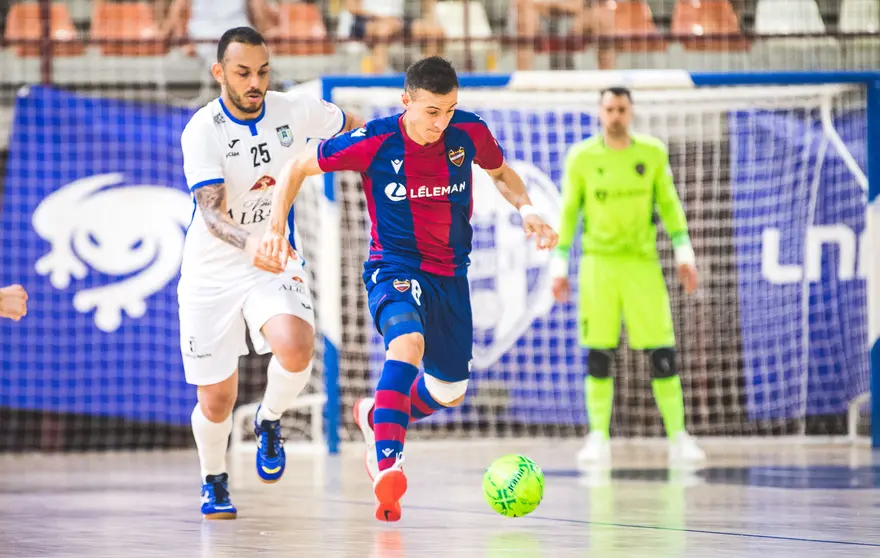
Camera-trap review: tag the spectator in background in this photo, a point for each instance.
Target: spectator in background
(587, 17)
(209, 19)
(13, 302)
(377, 21)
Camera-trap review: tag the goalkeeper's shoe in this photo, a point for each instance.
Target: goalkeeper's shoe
(596, 453)
(389, 487)
(362, 409)
(215, 498)
(270, 449)
(683, 450)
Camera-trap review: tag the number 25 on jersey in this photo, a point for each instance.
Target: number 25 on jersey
(261, 154)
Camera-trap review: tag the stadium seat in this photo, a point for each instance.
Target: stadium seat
(788, 17)
(859, 16)
(451, 15)
(634, 22)
(697, 21)
(132, 22)
(301, 21)
(23, 23)
(778, 18)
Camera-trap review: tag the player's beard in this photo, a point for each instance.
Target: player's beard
(615, 131)
(242, 103)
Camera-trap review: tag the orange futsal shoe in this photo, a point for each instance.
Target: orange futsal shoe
(389, 487)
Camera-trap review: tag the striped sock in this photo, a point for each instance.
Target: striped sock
(422, 403)
(391, 413)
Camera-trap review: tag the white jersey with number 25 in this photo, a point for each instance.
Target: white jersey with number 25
(247, 156)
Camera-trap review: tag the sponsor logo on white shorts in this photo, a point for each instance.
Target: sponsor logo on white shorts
(191, 349)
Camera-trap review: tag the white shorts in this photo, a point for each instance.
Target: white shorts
(213, 320)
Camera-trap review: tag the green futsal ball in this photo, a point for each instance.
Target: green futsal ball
(513, 485)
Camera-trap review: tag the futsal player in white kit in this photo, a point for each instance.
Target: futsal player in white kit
(233, 150)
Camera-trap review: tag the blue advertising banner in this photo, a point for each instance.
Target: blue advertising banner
(799, 213)
(94, 214)
(95, 210)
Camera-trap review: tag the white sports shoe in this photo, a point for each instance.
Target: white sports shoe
(361, 410)
(596, 452)
(684, 450)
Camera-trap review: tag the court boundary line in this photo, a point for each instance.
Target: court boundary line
(633, 526)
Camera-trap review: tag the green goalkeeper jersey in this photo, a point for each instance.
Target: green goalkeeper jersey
(616, 192)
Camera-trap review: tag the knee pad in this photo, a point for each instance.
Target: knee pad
(445, 392)
(399, 318)
(663, 362)
(599, 362)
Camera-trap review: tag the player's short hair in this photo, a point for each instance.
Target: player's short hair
(433, 74)
(616, 91)
(244, 35)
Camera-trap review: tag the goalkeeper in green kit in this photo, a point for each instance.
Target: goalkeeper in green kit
(615, 181)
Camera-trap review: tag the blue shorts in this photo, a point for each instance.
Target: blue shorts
(443, 304)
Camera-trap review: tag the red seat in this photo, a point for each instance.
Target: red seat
(698, 21)
(132, 22)
(634, 27)
(24, 23)
(298, 22)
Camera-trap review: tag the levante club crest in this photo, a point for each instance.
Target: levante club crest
(456, 156)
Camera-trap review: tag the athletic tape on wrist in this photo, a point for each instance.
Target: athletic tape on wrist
(685, 255)
(527, 210)
(558, 267)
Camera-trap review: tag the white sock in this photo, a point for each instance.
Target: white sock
(282, 390)
(212, 439)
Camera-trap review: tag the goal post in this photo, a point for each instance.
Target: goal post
(781, 197)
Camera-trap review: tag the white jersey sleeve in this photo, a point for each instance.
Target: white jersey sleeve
(202, 156)
(322, 119)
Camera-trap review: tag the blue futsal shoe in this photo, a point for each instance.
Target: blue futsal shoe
(270, 449)
(215, 498)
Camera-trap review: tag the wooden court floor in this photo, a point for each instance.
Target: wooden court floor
(752, 499)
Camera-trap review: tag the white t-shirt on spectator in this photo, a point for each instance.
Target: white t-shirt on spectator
(384, 8)
(211, 18)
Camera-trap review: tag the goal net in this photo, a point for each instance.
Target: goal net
(773, 343)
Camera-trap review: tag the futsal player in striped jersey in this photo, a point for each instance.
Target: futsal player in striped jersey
(416, 175)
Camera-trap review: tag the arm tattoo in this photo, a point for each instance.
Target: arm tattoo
(212, 203)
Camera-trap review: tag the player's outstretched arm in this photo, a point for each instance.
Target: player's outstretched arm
(274, 244)
(512, 187)
(13, 302)
(674, 220)
(211, 200)
(352, 151)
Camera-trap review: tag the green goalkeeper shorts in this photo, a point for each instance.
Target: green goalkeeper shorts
(614, 289)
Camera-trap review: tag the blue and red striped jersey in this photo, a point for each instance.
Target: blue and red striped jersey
(419, 196)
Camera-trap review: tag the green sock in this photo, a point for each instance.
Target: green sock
(600, 398)
(670, 401)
